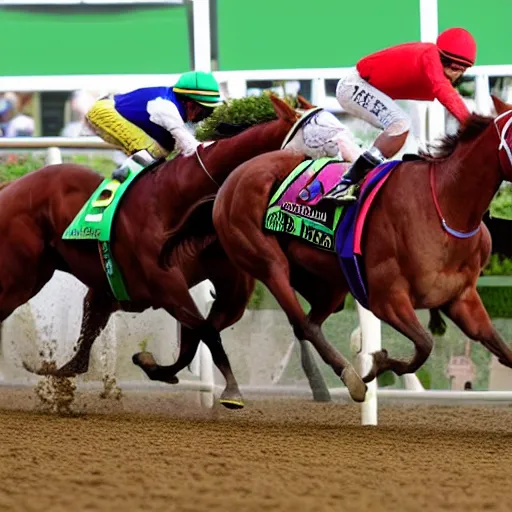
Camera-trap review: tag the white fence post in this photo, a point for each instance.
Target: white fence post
(202, 364)
(318, 94)
(237, 88)
(370, 341)
(411, 382)
(482, 95)
(202, 46)
(53, 156)
(207, 376)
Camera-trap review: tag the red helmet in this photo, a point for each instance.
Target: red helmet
(457, 44)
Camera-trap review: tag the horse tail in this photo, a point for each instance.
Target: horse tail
(196, 222)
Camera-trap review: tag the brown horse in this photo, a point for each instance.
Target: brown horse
(37, 208)
(411, 259)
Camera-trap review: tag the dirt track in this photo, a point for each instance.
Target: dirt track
(155, 452)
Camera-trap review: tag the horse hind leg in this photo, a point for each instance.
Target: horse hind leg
(265, 260)
(233, 289)
(175, 298)
(304, 329)
(324, 300)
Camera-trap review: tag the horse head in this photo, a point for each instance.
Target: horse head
(303, 103)
(503, 123)
(283, 110)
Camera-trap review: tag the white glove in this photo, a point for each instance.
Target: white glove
(164, 113)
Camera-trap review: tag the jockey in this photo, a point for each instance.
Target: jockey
(147, 124)
(410, 71)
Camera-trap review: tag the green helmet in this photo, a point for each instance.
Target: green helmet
(199, 86)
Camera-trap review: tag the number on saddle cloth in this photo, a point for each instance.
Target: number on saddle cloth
(107, 195)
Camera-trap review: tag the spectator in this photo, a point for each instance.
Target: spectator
(12, 122)
(81, 102)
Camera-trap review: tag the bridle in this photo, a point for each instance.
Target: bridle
(201, 163)
(504, 150)
(505, 157)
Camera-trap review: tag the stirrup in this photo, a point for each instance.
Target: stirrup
(342, 195)
(120, 174)
(346, 197)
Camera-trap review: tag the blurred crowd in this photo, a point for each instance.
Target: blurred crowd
(13, 121)
(18, 117)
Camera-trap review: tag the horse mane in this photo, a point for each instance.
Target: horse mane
(470, 130)
(237, 115)
(196, 222)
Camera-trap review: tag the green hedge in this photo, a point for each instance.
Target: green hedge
(497, 299)
(14, 166)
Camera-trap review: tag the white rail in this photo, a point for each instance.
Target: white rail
(55, 142)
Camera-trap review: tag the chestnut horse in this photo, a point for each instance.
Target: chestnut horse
(38, 207)
(412, 260)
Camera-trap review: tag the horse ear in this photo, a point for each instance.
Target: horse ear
(283, 110)
(500, 106)
(304, 103)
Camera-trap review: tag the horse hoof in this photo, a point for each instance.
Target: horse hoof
(378, 366)
(31, 369)
(232, 404)
(51, 370)
(233, 400)
(355, 385)
(143, 359)
(371, 376)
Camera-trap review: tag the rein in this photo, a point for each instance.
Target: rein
(448, 229)
(504, 146)
(204, 167)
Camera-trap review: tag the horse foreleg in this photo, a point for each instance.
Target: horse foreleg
(470, 316)
(97, 308)
(325, 298)
(396, 310)
(304, 329)
(269, 264)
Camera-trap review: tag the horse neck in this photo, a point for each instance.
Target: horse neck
(223, 157)
(468, 180)
(190, 182)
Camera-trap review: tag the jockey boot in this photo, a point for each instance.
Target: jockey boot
(344, 191)
(142, 157)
